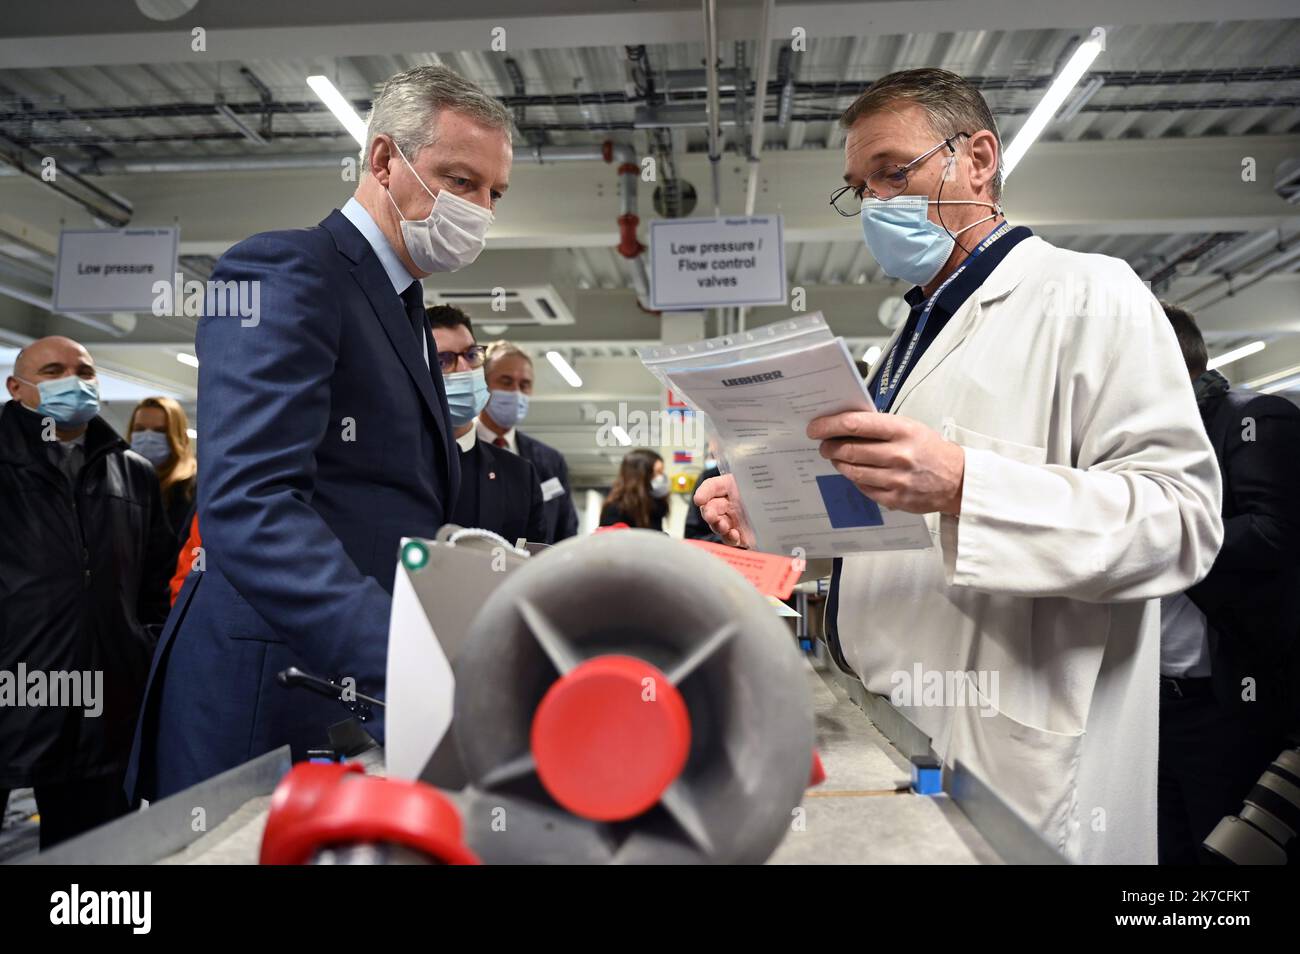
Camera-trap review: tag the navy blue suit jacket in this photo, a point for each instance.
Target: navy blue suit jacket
(561, 517)
(506, 496)
(324, 440)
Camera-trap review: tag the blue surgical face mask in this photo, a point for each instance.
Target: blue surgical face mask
(71, 401)
(904, 241)
(467, 394)
(152, 446)
(508, 408)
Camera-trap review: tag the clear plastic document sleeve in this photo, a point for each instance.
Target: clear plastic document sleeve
(758, 391)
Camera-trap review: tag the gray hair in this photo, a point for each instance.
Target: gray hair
(952, 103)
(501, 348)
(409, 103)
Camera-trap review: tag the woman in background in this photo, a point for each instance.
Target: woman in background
(159, 432)
(639, 497)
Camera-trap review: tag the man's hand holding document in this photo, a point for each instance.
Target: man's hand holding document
(797, 436)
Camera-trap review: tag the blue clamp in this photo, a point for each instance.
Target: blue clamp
(927, 775)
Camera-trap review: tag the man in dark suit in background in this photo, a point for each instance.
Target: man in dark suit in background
(325, 440)
(509, 373)
(1230, 646)
(499, 491)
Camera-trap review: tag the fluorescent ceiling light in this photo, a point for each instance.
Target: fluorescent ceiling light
(340, 107)
(872, 354)
(621, 436)
(1286, 384)
(1065, 81)
(1257, 384)
(186, 358)
(1236, 354)
(562, 366)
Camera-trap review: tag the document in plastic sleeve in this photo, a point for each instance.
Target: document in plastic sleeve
(759, 391)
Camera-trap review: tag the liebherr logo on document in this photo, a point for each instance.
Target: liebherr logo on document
(752, 379)
(133, 908)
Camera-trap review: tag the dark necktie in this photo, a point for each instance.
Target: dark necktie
(500, 441)
(413, 299)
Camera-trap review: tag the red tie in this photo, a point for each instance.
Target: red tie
(500, 441)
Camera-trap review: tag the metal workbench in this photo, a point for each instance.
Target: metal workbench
(863, 813)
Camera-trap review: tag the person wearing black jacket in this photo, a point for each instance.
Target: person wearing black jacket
(84, 560)
(499, 491)
(1230, 646)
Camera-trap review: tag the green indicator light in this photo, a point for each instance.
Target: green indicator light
(415, 556)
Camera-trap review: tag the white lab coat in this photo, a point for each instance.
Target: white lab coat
(1090, 491)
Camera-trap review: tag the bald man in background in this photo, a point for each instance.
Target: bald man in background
(85, 555)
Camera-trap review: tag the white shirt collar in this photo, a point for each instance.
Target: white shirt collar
(486, 433)
(356, 213)
(468, 439)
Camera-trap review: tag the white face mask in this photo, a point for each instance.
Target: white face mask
(452, 236)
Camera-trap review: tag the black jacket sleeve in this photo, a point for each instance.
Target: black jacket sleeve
(1261, 484)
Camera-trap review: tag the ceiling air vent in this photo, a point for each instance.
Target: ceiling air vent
(527, 305)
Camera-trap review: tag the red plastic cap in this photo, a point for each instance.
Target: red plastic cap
(818, 773)
(297, 796)
(609, 737)
(313, 809)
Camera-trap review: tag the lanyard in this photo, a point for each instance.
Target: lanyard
(891, 381)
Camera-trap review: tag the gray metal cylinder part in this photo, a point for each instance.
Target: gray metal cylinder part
(717, 640)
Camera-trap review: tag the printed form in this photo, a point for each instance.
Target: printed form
(759, 391)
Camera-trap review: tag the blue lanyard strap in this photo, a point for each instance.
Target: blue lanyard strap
(889, 381)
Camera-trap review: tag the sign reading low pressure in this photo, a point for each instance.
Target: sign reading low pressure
(108, 270)
(710, 263)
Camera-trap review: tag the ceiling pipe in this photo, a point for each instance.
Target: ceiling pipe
(756, 126)
(760, 87)
(102, 205)
(160, 165)
(1269, 262)
(711, 73)
(1282, 261)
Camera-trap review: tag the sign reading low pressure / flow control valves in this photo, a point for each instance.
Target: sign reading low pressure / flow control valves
(711, 263)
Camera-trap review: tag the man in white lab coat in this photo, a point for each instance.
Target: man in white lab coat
(1038, 414)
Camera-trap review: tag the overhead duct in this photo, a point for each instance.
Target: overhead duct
(104, 206)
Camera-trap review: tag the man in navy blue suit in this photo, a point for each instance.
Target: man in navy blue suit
(509, 373)
(325, 440)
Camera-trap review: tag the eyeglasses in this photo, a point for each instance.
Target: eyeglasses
(886, 182)
(473, 356)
